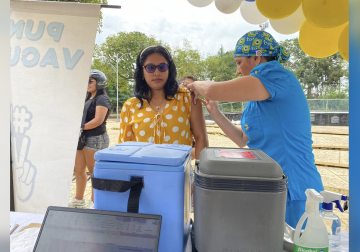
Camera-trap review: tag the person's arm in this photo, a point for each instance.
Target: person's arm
(198, 128)
(235, 133)
(125, 127)
(245, 88)
(100, 114)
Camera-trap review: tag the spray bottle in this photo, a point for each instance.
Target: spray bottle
(315, 237)
(331, 220)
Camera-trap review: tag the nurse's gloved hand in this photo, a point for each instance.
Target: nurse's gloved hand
(211, 106)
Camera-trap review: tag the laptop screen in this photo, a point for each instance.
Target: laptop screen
(93, 231)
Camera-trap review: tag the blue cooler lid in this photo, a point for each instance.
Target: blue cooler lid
(145, 153)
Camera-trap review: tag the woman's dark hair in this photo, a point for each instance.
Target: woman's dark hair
(99, 92)
(270, 58)
(142, 89)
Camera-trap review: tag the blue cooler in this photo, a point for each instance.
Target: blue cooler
(157, 179)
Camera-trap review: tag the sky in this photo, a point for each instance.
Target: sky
(173, 20)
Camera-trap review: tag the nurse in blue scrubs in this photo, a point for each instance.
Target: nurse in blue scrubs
(276, 119)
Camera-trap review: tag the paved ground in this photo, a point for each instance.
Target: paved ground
(334, 179)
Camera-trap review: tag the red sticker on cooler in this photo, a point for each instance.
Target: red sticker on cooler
(237, 154)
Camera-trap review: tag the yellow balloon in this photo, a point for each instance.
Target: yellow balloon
(344, 43)
(277, 9)
(326, 13)
(319, 42)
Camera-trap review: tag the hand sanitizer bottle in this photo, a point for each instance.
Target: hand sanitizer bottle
(315, 237)
(332, 221)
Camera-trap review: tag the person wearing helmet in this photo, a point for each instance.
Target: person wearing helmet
(93, 137)
(276, 119)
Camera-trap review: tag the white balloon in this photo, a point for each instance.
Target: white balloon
(200, 3)
(251, 14)
(290, 24)
(227, 6)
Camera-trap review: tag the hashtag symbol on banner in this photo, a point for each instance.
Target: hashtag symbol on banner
(21, 119)
(24, 171)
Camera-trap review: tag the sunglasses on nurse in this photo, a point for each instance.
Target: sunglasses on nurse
(150, 68)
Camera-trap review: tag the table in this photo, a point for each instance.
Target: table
(24, 219)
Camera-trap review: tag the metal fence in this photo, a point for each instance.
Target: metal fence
(315, 105)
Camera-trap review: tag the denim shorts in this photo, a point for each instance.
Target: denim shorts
(97, 142)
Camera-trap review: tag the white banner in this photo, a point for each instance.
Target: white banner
(51, 45)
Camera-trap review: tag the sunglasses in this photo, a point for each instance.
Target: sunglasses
(90, 81)
(150, 68)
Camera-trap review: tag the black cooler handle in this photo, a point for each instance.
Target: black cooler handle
(135, 185)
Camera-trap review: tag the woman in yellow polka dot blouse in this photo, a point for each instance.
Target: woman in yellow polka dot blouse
(161, 112)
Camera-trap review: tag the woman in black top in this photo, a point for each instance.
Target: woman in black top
(96, 111)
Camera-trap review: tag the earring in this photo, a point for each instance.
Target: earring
(142, 77)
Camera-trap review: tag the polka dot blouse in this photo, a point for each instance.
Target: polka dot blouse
(172, 125)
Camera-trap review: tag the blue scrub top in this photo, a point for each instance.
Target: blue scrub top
(280, 126)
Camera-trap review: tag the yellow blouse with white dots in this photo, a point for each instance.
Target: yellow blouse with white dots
(172, 125)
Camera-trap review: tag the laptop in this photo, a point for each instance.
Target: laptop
(87, 230)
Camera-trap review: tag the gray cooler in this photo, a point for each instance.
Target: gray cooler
(239, 201)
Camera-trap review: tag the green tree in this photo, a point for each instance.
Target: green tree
(124, 87)
(88, 1)
(336, 94)
(222, 66)
(296, 54)
(321, 75)
(126, 46)
(189, 61)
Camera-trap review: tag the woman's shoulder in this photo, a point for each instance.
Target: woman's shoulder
(102, 100)
(182, 95)
(183, 91)
(182, 99)
(131, 102)
(273, 72)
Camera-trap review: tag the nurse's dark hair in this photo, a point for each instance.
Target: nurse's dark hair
(141, 88)
(267, 58)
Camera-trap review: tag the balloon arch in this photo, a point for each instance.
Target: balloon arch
(323, 24)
